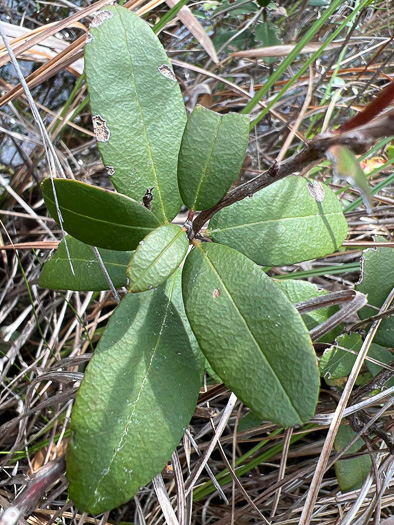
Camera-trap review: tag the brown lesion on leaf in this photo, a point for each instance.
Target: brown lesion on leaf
(316, 190)
(100, 17)
(100, 128)
(110, 170)
(167, 72)
(216, 293)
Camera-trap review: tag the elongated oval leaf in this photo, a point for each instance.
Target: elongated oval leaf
(351, 473)
(211, 156)
(99, 217)
(88, 274)
(377, 280)
(298, 291)
(288, 222)
(137, 397)
(137, 107)
(156, 258)
(251, 334)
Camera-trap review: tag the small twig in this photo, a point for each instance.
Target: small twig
(371, 319)
(282, 469)
(355, 300)
(38, 484)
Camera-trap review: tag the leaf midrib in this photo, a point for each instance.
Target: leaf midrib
(102, 221)
(167, 247)
(149, 148)
(259, 223)
(143, 383)
(252, 336)
(207, 164)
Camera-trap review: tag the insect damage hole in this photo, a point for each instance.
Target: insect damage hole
(89, 38)
(167, 72)
(100, 17)
(110, 170)
(316, 190)
(100, 128)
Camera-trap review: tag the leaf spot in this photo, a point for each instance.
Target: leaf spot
(167, 72)
(110, 170)
(316, 190)
(100, 128)
(100, 17)
(89, 38)
(216, 293)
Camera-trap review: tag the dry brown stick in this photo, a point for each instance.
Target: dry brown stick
(36, 488)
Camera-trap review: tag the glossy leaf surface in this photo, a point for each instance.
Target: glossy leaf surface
(288, 222)
(57, 274)
(298, 291)
(251, 334)
(99, 217)
(351, 473)
(135, 97)
(157, 257)
(211, 156)
(377, 280)
(137, 397)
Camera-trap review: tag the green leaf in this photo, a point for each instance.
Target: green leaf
(234, 40)
(384, 356)
(136, 101)
(351, 473)
(251, 334)
(298, 291)
(336, 363)
(290, 221)
(345, 166)
(249, 421)
(137, 397)
(211, 156)
(266, 34)
(57, 274)
(99, 217)
(377, 281)
(157, 257)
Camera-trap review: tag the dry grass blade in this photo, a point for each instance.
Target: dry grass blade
(47, 49)
(284, 50)
(165, 504)
(55, 28)
(196, 29)
(339, 413)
